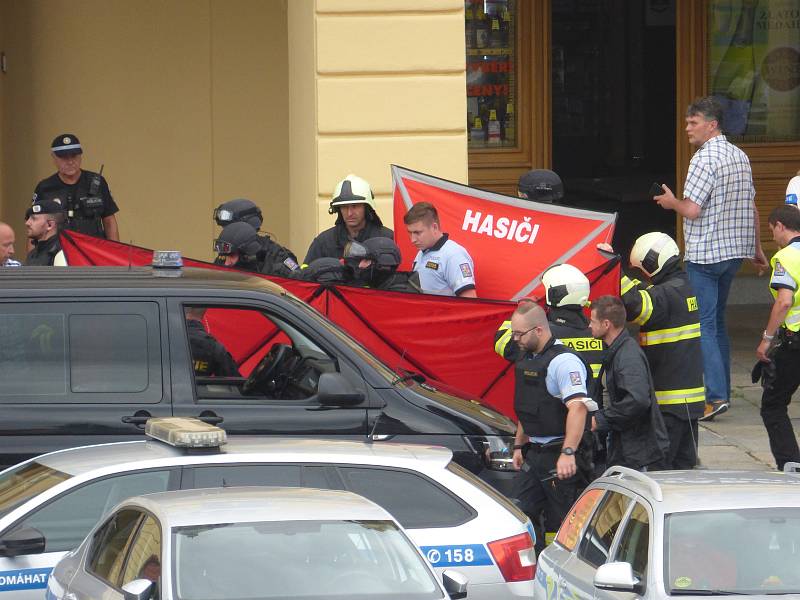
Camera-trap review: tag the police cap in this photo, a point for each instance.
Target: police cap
(239, 209)
(66, 144)
(45, 206)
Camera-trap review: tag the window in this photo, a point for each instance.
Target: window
(754, 68)
(596, 542)
(490, 30)
(110, 544)
(144, 557)
(235, 475)
(66, 520)
(634, 544)
(415, 501)
(573, 523)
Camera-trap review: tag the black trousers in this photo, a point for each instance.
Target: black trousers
(682, 435)
(775, 404)
(542, 496)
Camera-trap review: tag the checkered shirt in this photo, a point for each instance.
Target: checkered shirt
(721, 182)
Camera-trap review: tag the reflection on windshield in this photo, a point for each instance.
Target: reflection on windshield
(25, 481)
(288, 559)
(745, 551)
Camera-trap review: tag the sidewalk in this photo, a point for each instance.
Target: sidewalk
(737, 439)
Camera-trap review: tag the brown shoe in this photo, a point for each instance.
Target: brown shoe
(717, 407)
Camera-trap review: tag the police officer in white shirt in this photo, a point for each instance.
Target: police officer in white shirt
(7, 246)
(444, 267)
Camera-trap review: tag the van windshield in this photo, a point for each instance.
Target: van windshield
(21, 483)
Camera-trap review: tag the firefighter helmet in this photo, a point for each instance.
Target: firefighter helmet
(654, 251)
(352, 190)
(565, 285)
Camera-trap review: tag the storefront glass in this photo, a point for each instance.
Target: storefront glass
(490, 29)
(754, 51)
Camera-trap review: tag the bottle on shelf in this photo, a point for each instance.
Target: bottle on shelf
(505, 29)
(476, 132)
(493, 129)
(481, 28)
(495, 35)
(469, 27)
(509, 125)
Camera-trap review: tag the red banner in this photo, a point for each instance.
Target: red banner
(512, 241)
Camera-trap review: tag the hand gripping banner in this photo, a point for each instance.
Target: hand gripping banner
(512, 241)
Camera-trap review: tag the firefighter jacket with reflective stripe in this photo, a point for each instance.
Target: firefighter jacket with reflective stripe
(540, 413)
(566, 324)
(670, 337)
(788, 259)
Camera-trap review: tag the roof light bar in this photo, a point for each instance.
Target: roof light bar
(184, 432)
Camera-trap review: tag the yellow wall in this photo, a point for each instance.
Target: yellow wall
(183, 101)
(388, 85)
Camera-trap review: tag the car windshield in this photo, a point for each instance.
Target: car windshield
(21, 483)
(299, 559)
(740, 551)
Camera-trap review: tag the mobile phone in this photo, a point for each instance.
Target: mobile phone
(656, 189)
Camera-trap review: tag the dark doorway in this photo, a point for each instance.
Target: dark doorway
(613, 105)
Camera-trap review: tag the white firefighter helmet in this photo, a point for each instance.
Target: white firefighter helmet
(652, 251)
(793, 191)
(352, 190)
(565, 285)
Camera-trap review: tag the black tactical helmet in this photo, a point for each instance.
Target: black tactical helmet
(384, 252)
(541, 185)
(324, 270)
(239, 209)
(237, 237)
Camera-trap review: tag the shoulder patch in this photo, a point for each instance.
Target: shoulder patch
(466, 270)
(291, 264)
(779, 270)
(575, 378)
(432, 264)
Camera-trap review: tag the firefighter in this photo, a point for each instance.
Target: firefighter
(665, 308)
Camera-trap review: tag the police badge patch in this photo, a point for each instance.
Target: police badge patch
(291, 264)
(779, 270)
(466, 270)
(432, 265)
(574, 378)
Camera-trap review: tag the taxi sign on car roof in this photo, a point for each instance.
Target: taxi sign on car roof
(184, 432)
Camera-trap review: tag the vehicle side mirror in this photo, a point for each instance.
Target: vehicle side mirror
(27, 540)
(455, 584)
(334, 390)
(617, 577)
(138, 589)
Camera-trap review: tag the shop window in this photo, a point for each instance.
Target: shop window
(490, 29)
(754, 68)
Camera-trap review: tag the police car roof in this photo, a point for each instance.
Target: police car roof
(149, 453)
(253, 504)
(700, 490)
(108, 278)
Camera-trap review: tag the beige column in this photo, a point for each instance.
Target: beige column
(371, 83)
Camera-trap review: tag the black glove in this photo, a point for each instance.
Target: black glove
(764, 372)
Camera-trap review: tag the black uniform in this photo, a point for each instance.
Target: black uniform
(637, 436)
(670, 337)
(87, 201)
(44, 253)
(401, 281)
(331, 242)
(210, 358)
(275, 259)
(543, 415)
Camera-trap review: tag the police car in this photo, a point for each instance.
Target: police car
(243, 543)
(677, 533)
(48, 504)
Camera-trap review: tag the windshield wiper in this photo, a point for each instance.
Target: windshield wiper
(410, 375)
(690, 592)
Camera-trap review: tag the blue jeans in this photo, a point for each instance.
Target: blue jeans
(711, 284)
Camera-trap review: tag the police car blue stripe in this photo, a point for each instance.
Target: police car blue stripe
(468, 555)
(24, 579)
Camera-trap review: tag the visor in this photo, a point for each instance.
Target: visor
(223, 248)
(225, 216)
(355, 250)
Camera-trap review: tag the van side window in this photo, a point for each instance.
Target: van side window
(602, 528)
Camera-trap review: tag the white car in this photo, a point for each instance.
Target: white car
(677, 534)
(49, 504)
(244, 543)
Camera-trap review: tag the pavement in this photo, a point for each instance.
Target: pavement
(737, 439)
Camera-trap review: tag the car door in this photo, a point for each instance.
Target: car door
(78, 372)
(248, 332)
(634, 545)
(64, 521)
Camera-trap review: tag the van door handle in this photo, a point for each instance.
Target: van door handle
(210, 417)
(139, 418)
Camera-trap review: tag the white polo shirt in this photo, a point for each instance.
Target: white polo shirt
(445, 268)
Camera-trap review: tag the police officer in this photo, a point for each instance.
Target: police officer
(374, 264)
(43, 221)
(240, 246)
(239, 209)
(540, 185)
(665, 308)
(89, 206)
(356, 219)
(780, 342)
(210, 358)
(552, 403)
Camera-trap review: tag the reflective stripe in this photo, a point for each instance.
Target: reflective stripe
(502, 341)
(647, 309)
(549, 536)
(669, 336)
(596, 369)
(686, 396)
(626, 284)
(793, 318)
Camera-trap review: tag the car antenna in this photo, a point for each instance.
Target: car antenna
(130, 254)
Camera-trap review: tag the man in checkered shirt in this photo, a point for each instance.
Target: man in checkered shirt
(720, 228)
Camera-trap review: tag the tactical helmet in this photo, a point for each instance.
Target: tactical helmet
(237, 237)
(352, 190)
(324, 270)
(653, 251)
(541, 185)
(382, 251)
(239, 209)
(565, 285)
(793, 191)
